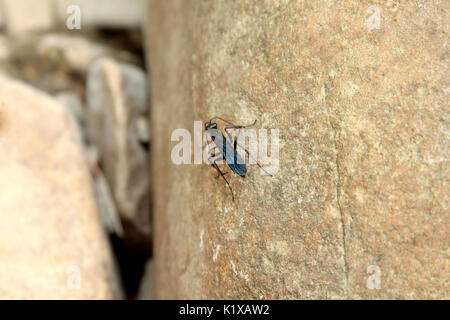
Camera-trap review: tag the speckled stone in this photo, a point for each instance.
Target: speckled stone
(52, 245)
(364, 127)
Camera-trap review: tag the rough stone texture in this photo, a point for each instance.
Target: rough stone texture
(116, 99)
(363, 177)
(49, 225)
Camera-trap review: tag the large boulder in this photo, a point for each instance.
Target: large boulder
(359, 206)
(52, 245)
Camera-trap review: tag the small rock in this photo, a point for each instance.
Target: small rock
(93, 157)
(52, 245)
(76, 51)
(143, 129)
(147, 287)
(105, 201)
(116, 99)
(106, 206)
(4, 48)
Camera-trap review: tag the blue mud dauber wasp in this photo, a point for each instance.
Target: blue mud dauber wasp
(227, 150)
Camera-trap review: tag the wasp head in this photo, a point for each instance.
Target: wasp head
(210, 125)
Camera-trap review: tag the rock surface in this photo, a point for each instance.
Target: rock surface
(116, 100)
(362, 189)
(52, 245)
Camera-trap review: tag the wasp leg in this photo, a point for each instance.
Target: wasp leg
(250, 156)
(223, 176)
(213, 157)
(210, 160)
(231, 124)
(236, 127)
(236, 144)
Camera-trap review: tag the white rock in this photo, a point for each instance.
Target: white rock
(52, 245)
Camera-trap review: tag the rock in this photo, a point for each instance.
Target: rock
(143, 129)
(5, 51)
(76, 51)
(52, 245)
(105, 13)
(23, 16)
(116, 99)
(55, 62)
(107, 208)
(105, 200)
(46, 70)
(147, 287)
(358, 208)
(74, 105)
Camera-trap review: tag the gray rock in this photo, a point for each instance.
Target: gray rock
(74, 105)
(147, 286)
(106, 205)
(143, 129)
(116, 100)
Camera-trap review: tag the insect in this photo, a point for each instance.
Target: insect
(227, 149)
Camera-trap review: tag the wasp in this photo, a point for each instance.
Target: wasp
(226, 148)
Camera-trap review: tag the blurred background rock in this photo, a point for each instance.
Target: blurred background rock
(95, 80)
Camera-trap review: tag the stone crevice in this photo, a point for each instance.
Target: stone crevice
(338, 188)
